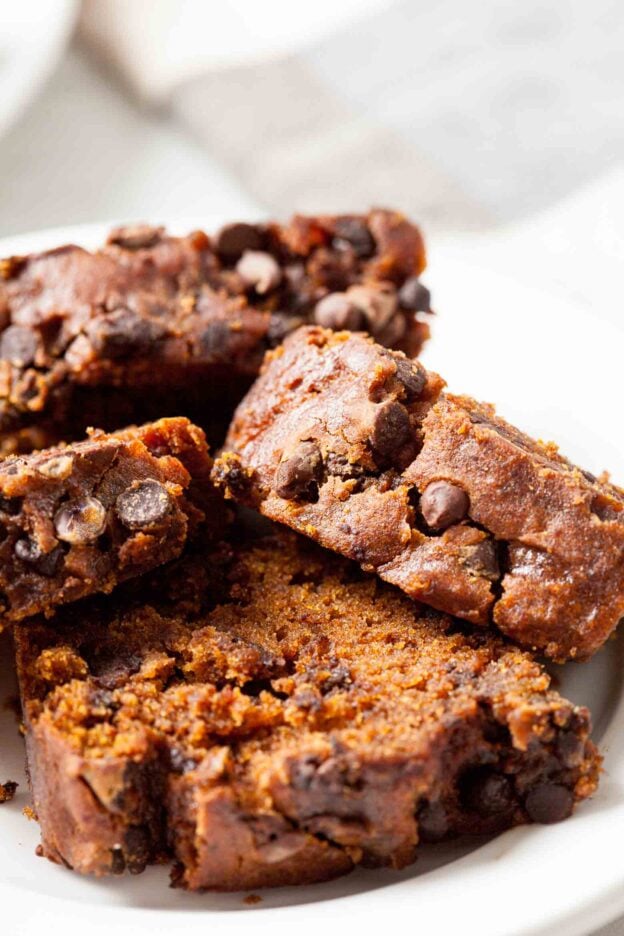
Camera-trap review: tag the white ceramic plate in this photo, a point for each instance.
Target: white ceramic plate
(555, 373)
(33, 35)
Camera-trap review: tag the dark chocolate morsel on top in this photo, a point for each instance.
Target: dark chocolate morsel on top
(144, 504)
(487, 792)
(259, 270)
(412, 375)
(547, 803)
(298, 471)
(433, 491)
(336, 311)
(442, 504)
(414, 296)
(391, 428)
(355, 233)
(80, 521)
(234, 239)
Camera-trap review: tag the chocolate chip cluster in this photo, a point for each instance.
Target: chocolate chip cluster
(80, 521)
(329, 272)
(154, 325)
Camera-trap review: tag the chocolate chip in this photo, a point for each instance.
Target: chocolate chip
(412, 376)
(483, 560)
(123, 332)
(414, 296)
(337, 312)
(44, 563)
(570, 748)
(259, 270)
(144, 504)
(549, 802)
(254, 687)
(18, 345)
(138, 849)
(443, 504)
(391, 427)
(486, 792)
(297, 475)
(353, 232)
(432, 822)
(135, 236)
(377, 303)
(234, 239)
(80, 521)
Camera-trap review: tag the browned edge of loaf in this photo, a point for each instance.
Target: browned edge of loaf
(362, 451)
(153, 325)
(80, 518)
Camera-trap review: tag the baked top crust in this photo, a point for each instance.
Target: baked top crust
(360, 449)
(152, 325)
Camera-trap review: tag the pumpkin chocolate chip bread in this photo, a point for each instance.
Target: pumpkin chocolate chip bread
(78, 519)
(360, 449)
(152, 325)
(272, 716)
